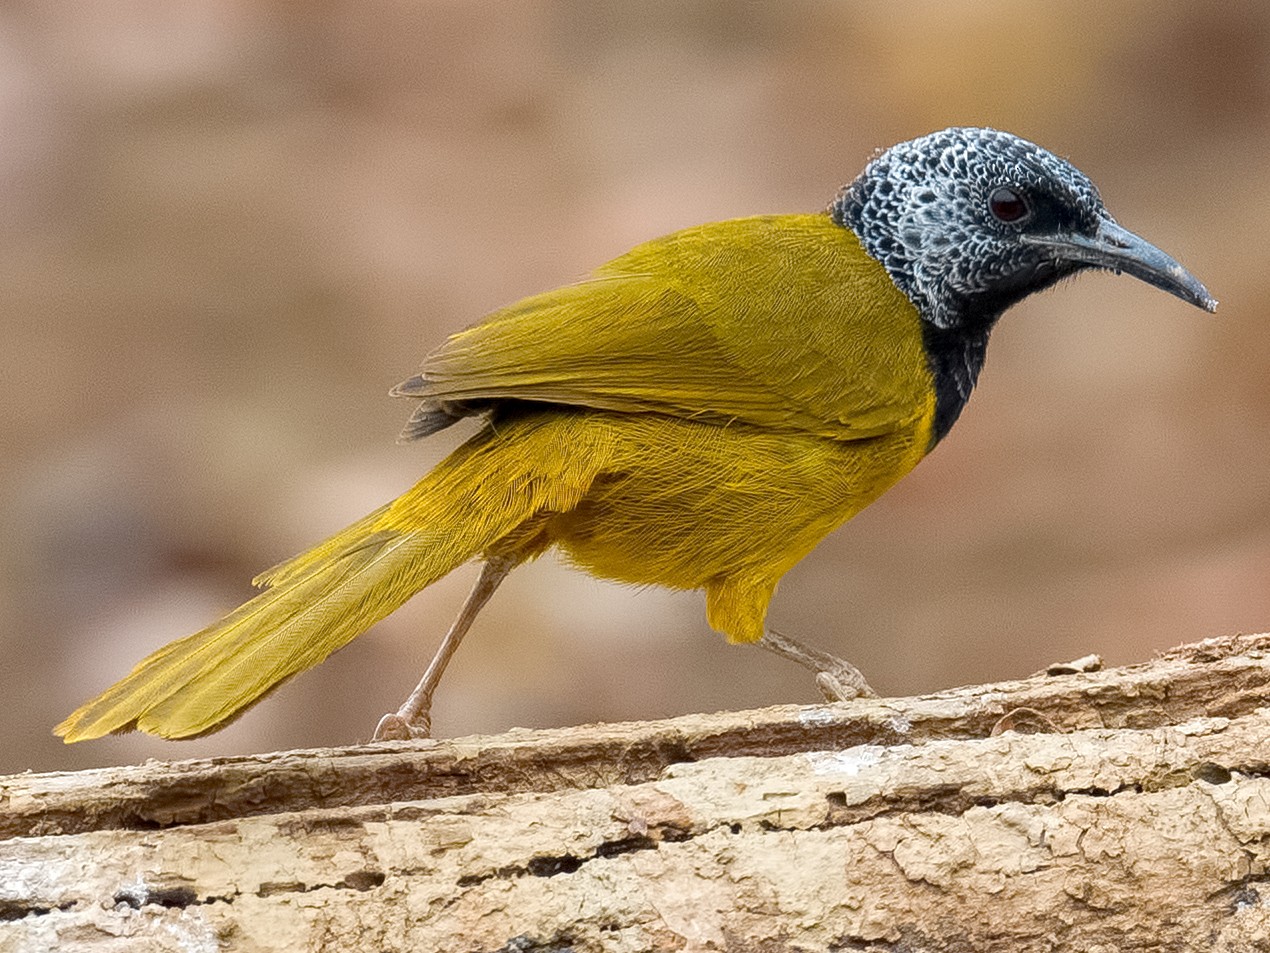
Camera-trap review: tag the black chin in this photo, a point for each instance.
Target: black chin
(983, 308)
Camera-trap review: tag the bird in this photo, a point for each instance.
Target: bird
(698, 413)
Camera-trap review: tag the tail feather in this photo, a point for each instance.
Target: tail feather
(197, 683)
(319, 601)
(345, 541)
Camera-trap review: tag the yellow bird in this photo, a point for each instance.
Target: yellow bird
(698, 414)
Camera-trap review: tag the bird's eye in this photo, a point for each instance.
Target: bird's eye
(1008, 205)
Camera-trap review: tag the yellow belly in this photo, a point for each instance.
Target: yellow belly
(726, 509)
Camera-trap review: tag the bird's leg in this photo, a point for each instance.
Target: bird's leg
(414, 718)
(837, 679)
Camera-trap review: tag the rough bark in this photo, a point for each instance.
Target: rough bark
(1103, 811)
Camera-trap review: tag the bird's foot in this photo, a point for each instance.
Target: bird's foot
(397, 727)
(837, 679)
(843, 683)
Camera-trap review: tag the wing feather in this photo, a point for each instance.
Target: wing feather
(780, 321)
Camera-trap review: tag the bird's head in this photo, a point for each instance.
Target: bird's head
(969, 221)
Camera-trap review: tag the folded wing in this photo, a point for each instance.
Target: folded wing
(781, 322)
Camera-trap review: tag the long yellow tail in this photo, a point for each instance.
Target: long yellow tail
(321, 600)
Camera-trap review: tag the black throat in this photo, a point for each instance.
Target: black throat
(955, 356)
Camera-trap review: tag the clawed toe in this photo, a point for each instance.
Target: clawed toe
(837, 686)
(396, 728)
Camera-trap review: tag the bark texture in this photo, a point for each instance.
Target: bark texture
(1121, 810)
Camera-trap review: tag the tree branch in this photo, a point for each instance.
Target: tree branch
(1128, 809)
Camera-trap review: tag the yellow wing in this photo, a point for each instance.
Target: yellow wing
(780, 321)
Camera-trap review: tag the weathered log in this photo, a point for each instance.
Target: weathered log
(1126, 809)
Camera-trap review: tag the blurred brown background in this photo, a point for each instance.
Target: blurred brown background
(227, 228)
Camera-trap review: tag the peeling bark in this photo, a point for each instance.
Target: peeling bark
(1124, 810)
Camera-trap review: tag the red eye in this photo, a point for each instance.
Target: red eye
(1008, 205)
